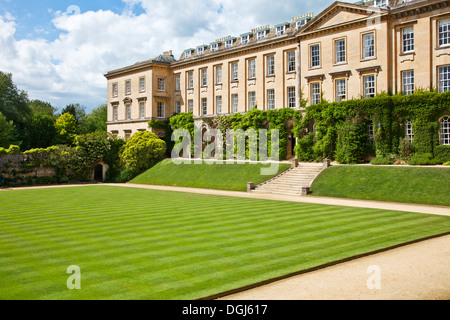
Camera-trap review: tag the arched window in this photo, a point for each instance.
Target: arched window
(445, 130)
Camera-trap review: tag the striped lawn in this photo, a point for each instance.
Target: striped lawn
(146, 244)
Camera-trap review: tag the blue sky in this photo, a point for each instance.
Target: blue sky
(60, 55)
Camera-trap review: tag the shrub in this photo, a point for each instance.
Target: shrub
(125, 175)
(406, 148)
(382, 160)
(423, 159)
(442, 153)
(143, 150)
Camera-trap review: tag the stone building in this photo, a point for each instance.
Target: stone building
(350, 50)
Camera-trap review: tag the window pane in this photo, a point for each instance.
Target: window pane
(315, 56)
(408, 82)
(445, 131)
(369, 86)
(235, 103)
(444, 32)
(340, 51)
(291, 97)
(291, 61)
(444, 79)
(368, 45)
(252, 69)
(408, 39)
(219, 104)
(270, 65)
(271, 99)
(315, 93)
(341, 90)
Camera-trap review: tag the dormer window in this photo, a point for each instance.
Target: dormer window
(214, 47)
(281, 30)
(228, 43)
(380, 3)
(187, 53)
(261, 35)
(245, 39)
(200, 51)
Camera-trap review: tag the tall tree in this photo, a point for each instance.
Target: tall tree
(7, 132)
(42, 107)
(96, 120)
(66, 129)
(14, 104)
(41, 131)
(76, 110)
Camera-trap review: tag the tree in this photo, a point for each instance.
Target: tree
(42, 107)
(14, 104)
(41, 131)
(96, 120)
(66, 129)
(78, 112)
(143, 150)
(7, 132)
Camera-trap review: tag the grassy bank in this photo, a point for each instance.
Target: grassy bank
(147, 244)
(421, 185)
(210, 176)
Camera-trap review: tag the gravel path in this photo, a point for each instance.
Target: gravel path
(420, 271)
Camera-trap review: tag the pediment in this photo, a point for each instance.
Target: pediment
(340, 14)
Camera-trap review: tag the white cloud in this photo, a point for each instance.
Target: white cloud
(70, 69)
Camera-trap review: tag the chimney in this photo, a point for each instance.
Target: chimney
(167, 53)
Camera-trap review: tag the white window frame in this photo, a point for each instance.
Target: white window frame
(271, 65)
(291, 61)
(177, 82)
(281, 30)
(187, 53)
(251, 100)
(252, 69)
(444, 130)
(200, 51)
(368, 44)
(115, 113)
(161, 84)
(228, 43)
(408, 39)
(234, 71)
(270, 99)
(292, 99)
(214, 47)
(314, 55)
(142, 84)
(128, 87)
(218, 74)
(245, 39)
(191, 80)
(161, 110)
(204, 73)
(261, 35)
(341, 89)
(177, 107)
(409, 131)
(235, 103)
(369, 86)
(128, 111)
(408, 82)
(316, 92)
(340, 49)
(142, 110)
(443, 33)
(219, 104)
(444, 78)
(115, 89)
(190, 105)
(204, 106)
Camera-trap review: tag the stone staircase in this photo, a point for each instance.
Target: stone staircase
(295, 181)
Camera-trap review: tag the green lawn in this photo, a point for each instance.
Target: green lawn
(421, 185)
(145, 244)
(210, 176)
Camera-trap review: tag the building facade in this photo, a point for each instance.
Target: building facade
(347, 51)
